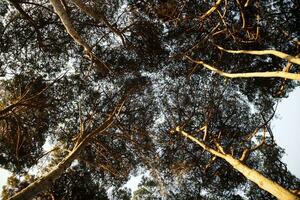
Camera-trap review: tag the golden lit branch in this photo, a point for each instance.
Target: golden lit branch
(211, 10)
(204, 129)
(246, 4)
(279, 74)
(276, 53)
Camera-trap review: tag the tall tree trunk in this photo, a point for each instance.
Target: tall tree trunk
(46, 181)
(263, 182)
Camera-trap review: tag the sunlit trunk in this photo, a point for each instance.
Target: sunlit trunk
(46, 181)
(261, 181)
(251, 174)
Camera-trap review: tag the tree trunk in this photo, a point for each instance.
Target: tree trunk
(251, 174)
(262, 182)
(45, 182)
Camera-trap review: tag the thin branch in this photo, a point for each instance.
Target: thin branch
(242, 14)
(261, 142)
(245, 155)
(204, 129)
(36, 4)
(220, 148)
(210, 162)
(202, 144)
(31, 21)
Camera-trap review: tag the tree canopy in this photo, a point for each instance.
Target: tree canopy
(181, 91)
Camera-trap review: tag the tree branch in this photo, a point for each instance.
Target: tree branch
(44, 182)
(31, 21)
(251, 174)
(211, 10)
(62, 13)
(279, 74)
(276, 53)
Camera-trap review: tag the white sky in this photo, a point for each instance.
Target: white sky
(286, 130)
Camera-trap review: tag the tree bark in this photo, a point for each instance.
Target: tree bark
(62, 13)
(263, 182)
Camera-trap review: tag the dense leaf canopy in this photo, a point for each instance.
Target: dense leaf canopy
(69, 67)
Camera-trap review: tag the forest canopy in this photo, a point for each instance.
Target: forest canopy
(181, 91)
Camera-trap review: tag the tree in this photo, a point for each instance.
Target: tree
(107, 83)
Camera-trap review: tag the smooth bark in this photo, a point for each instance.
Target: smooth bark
(62, 13)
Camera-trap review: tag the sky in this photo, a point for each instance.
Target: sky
(286, 130)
